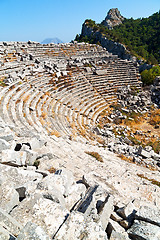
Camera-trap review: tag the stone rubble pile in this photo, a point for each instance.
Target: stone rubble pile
(133, 99)
(56, 207)
(116, 137)
(155, 90)
(40, 202)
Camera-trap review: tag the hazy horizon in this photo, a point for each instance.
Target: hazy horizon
(37, 20)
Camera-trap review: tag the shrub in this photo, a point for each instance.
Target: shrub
(148, 76)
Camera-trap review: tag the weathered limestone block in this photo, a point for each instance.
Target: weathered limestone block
(62, 180)
(77, 191)
(118, 236)
(31, 157)
(19, 176)
(127, 212)
(51, 192)
(105, 211)
(45, 213)
(114, 226)
(37, 143)
(9, 223)
(9, 197)
(144, 153)
(78, 227)
(148, 214)
(4, 234)
(13, 158)
(4, 145)
(32, 231)
(144, 231)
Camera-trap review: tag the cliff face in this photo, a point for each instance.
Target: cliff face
(114, 47)
(113, 18)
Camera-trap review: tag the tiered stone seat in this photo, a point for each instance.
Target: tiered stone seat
(66, 104)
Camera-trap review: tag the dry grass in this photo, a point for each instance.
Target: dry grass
(52, 170)
(153, 181)
(96, 155)
(127, 159)
(25, 99)
(44, 115)
(55, 133)
(42, 121)
(155, 117)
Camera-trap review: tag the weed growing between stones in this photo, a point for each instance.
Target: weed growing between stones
(153, 181)
(96, 155)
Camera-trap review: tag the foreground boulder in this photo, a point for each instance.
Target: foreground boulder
(32, 231)
(77, 226)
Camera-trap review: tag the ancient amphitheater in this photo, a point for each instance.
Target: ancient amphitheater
(56, 180)
(59, 88)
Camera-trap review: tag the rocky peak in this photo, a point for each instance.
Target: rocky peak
(113, 18)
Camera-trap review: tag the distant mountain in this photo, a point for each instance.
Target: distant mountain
(51, 40)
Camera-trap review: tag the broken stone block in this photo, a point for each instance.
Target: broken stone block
(9, 197)
(148, 214)
(118, 236)
(19, 177)
(78, 227)
(31, 157)
(114, 227)
(4, 145)
(77, 191)
(116, 217)
(127, 212)
(37, 143)
(105, 211)
(9, 224)
(44, 212)
(13, 158)
(143, 230)
(87, 203)
(144, 153)
(32, 231)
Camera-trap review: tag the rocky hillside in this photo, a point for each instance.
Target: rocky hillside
(140, 37)
(113, 18)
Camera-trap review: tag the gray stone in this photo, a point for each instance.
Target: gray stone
(44, 212)
(31, 157)
(144, 153)
(32, 231)
(8, 223)
(144, 231)
(78, 227)
(18, 176)
(114, 226)
(118, 236)
(147, 214)
(7, 137)
(4, 145)
(13, 158)
(116, 217)
(9, 197)
(105, 211)
(127, 212)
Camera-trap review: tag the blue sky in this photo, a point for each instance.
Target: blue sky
(23, 20)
